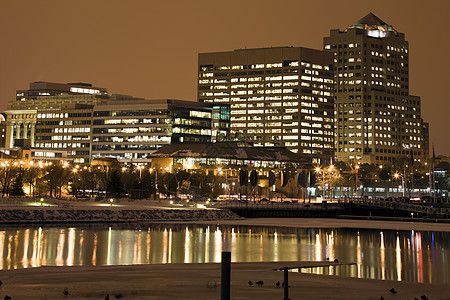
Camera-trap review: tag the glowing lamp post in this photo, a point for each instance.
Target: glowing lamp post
(396, 176)
(356, 180)
(318, 170)
(111, 201)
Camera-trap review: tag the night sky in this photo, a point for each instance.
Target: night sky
(149, 48)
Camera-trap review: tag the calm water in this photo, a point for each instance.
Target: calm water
(392, 255)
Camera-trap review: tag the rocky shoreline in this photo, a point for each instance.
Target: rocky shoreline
(51, 215)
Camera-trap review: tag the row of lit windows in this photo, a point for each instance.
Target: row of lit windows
(131, 139)
(192, 131)
(72, 130)
(63, 145)
(293, 63)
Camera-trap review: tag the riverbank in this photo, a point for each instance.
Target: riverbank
(200, 281)
(112, 215)
(144, 216)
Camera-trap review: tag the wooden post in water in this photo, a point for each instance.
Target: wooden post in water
(226, 276)
(286, 284)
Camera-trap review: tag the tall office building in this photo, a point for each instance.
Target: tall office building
(376, 119)
(279, 97)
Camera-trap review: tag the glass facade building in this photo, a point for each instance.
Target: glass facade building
(132, 131)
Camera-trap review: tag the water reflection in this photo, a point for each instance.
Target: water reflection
(404, 255)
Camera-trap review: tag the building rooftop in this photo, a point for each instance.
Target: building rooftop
(370, 19)
(372, 22)
(228, 150)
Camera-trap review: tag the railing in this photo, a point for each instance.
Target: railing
(424, 210)
(278, 205)
(411, 207)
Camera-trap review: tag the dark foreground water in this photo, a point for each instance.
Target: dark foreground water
(379, 254)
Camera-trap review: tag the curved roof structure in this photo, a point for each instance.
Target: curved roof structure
(227, 150)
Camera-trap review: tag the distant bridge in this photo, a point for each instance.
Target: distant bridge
(356, 207)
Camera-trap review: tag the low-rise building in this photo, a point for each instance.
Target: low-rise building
(131, 131)
(225, 155)
(88, 123)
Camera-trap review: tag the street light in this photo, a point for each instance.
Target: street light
(111, 201)
(140, 168)
(356, 180)
(396, 175)
(318, 170)
(156, 180)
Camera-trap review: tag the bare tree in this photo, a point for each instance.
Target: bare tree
(7, 174)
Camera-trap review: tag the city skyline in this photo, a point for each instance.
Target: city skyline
(108, 45)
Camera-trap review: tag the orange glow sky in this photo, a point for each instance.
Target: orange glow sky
(149, 48)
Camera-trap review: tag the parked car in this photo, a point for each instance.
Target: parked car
(402, 199)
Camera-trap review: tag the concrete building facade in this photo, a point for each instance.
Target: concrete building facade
(279, 97)
(376, 119)
(68, 128)
(88, 125)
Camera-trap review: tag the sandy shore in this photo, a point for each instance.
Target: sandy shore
(199, 281)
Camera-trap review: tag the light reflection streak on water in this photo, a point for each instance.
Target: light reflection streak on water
(233, 242)
(60, 249)
(94, 250)
(108, 258)
(120, 253)
(331, 250)
(137, 248)
(330, 246)
(358, 256)
(217, 245)
(2, 246)
(8, 256)
(148, 243)
(398, 256)
(165, 245)
(419, 256)
(275, 247)
(383, 257)
(261, 246)
(170, 246)
(71, 253)
(411, 253)
(433, 266)
(35, 258)
(80, 257)
(207, 245)
(26, 238)
(318, 249)
(187, 246)
(378, 254)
